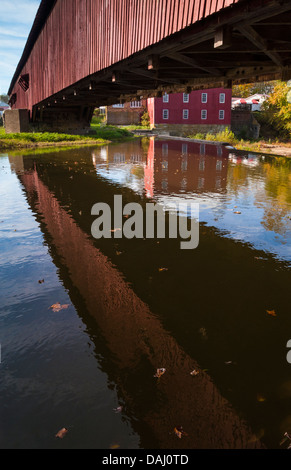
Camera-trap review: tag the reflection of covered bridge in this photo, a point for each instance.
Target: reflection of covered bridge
(135, 337)
(85, 53)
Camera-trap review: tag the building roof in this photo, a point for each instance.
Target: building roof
(42, 14)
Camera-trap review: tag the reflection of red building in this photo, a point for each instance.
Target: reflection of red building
(177, 166)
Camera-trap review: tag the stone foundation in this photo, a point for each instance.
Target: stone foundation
(184, 130)
(16, 120)
(243, 123)
(69, 121)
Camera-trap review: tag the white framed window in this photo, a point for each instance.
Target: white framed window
(218, 165)
(135, 104)
(204, 114)
(166, 98)
(185, 113)
(165, 152)
(165, 114)
(202, 161)
(222, 98)
(204, 98)
(118, 105)
(184, 149)
(185, 97)
(221, 114)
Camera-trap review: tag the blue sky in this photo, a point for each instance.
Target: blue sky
(16, 19)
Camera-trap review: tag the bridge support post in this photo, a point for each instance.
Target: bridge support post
(16, 120)
(67, 119)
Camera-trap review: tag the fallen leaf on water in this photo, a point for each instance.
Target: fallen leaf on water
(118, 253)
(118, 409)
(203, 333)
(115, 446)
(41, 281)
(260, 398)
(178, 430)
(61, 434)
(163, 269)
(271, 312)
(160, 372)
(194, 372)
(58, 307)
(237, 212)
(257, 437)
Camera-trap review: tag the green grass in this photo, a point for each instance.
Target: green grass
(111, 133)
(98, 134)
(228, 136)
(223, 136)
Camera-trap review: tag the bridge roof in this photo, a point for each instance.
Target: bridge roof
(43, 12)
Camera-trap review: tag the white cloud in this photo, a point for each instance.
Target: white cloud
(11, 43)
(18, 11)
(12, 31)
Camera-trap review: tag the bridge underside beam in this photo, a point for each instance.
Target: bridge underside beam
(246, 43)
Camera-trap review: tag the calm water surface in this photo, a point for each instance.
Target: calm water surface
(124, 317)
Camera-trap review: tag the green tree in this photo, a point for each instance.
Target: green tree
(4, 98)
(145, 119)
(248, 89)
(278, 109)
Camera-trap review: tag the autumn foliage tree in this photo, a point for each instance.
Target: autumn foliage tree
(277, 108)
(247, 89)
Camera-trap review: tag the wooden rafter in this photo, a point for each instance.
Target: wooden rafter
(260, 43)
(192, 62)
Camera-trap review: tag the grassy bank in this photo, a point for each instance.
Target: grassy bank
(98, 135)
(264, 146)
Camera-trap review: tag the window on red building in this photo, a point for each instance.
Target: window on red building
(185, 113)
(204, 114)
(166, 98)
(135, 104)
(185, 97)
(221, 114)
(222, 98)
(165, 114)
(204, 97)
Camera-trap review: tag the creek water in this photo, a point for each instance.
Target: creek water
(127, 307)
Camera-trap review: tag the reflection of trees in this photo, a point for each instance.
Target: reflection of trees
(138, 171)
(238, 177)
(270, 184)
(277, 203)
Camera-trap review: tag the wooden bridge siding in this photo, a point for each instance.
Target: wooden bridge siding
(82, 37)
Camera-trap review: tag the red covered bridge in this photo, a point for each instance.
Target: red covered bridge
(86, 53)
